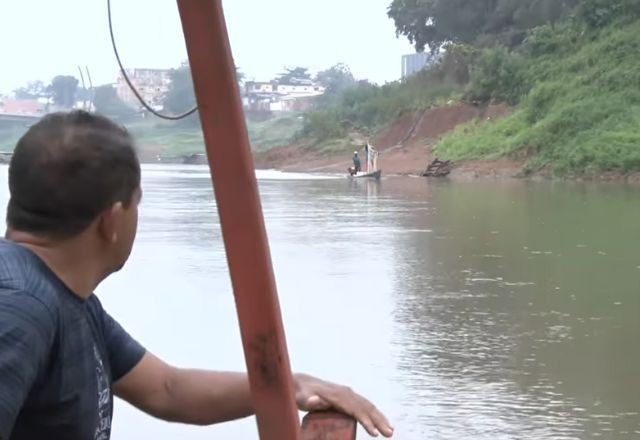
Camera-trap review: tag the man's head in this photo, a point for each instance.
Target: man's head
(75, 175)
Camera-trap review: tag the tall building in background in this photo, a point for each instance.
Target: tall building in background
(152, 84)
(415, 62)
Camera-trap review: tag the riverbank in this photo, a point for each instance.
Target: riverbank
(408, 145)
(405, 146)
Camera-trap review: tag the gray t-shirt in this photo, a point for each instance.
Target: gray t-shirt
(59, 355)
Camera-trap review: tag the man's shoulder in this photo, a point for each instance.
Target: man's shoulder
(14, 266)
(24, 279)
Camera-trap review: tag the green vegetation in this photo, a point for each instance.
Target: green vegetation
(168, 139)
(9, 136)
(64, 89)
(106, 102)
(577, 89)
(368, 107)
(431, 23)
(274, 132)
(171, 139)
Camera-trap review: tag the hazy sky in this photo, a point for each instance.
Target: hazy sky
(42, 38)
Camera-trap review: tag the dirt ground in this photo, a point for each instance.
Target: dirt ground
(405, 147)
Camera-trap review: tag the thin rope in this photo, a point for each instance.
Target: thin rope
(132, 87)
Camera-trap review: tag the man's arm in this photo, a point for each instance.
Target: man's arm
(188, 396)
(207, 397)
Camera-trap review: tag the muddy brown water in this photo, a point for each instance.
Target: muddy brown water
(464, 310)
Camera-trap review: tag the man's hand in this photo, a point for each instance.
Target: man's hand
(313, 394)
(207, 397)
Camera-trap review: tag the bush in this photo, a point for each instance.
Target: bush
(545, 40)
(498, 76)
(369, 106)
(323, 124)
(541, 99)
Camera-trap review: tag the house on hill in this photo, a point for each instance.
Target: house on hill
(27, 107)
(297, 95)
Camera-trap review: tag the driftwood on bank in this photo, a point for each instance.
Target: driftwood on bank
(438, 168)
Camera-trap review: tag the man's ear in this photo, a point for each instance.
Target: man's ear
(110, 221)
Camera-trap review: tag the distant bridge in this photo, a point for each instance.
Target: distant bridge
(5, 156)
(19, 118)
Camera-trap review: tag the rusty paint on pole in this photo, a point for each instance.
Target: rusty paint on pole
(241, 218)
(328, 426)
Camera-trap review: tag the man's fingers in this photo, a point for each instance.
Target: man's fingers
(373, 421)
(370, 413)
(382, 423)
(367, 424)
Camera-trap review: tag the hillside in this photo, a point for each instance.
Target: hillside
(581, 115)
(405, 144)
(571, 86)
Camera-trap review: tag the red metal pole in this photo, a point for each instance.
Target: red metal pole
(241, 219)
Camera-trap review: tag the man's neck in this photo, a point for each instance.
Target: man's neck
(70, 260)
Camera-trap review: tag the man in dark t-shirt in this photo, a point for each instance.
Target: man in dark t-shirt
(74, 181)
(67, 347)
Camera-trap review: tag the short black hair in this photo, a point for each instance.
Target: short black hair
(67, 169)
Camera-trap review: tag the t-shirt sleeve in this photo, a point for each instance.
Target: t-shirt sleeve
(27, 332)
(123, 350)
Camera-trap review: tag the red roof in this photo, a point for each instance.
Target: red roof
(22, 106)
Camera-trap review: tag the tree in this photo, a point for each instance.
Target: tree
(107, 102)
(240, 76)
(63, 88)
(33, 90)
(598, 13)
(431, 23)
(294, 74)
(335, 80)
(180, 97)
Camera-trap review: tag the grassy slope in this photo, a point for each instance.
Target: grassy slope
(274, 132)
(175, 140)
(582, 113)
(9, 137)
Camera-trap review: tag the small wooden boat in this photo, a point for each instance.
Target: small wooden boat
(366, 175)
(371, 171)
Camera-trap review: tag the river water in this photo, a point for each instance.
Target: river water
(479, 310)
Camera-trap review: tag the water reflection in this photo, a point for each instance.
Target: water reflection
(512, 312)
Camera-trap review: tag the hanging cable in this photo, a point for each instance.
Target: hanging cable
(130, 84)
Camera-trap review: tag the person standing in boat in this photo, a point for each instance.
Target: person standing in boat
(357, 165)
(366, 153)
(72, 216)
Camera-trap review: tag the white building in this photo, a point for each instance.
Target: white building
(152, 84)
(275, 97)
(415, 62)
